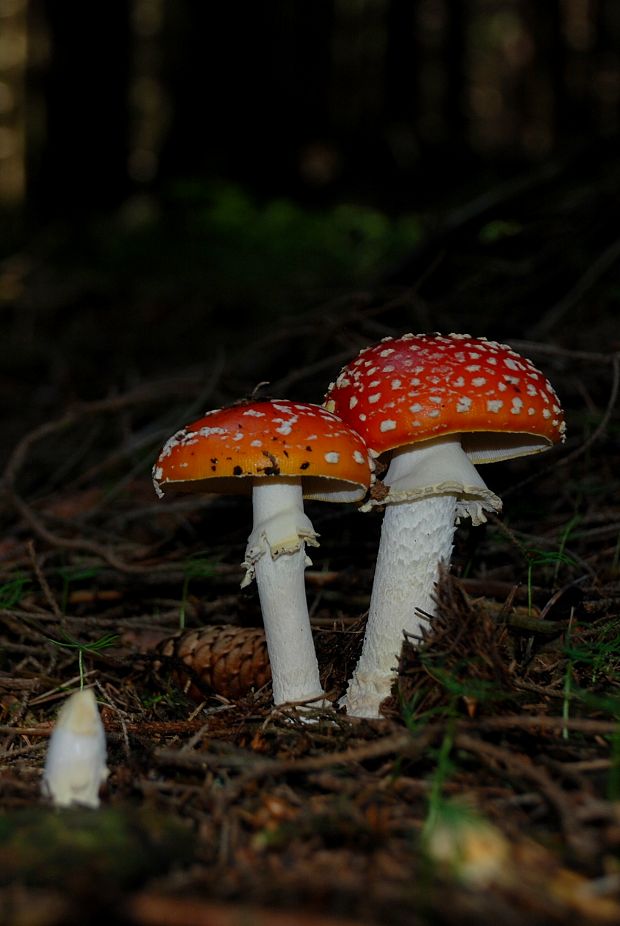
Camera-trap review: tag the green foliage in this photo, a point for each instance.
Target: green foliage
(221, 241)
(599, 654)
(497, 230)
(443, 770)
(596, 660)
(545, 558)
(91, 854)
(171, 698)
(459, 686)
(281, 240)
(96, 646)
(11, 592)
(413, 718)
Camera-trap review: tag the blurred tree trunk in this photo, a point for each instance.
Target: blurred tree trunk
(83, 163)
(249, 84)
(543, 105)
(401, 83)
(606, 76)
(455, 59)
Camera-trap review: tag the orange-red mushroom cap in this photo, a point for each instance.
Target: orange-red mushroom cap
(418, 387)
(229, 448)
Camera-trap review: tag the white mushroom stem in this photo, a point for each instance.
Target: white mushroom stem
(276, 556)
(75, 767)
(431, 485)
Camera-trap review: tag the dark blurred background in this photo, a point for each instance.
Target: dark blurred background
(183, 183)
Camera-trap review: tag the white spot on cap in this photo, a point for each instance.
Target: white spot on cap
(358, 457)
(435, 413)
(386, 352)
(171, 443)
(353, 401)
(238, 436)
(473, 368)
(203, 432)
(256, 443)
(494, 405)
(459, 382)
(414, 409)
(387, 425)
(158, 473)
(546, 413)
(396, 384)
(251, 412)
(478, 381)
(464, 404)
(415, 381)
(286, 427)
(332, 457)
(511, 364)
(389, 368)
(374, 398)
(517, 405)
(362, 416)
(436, 399)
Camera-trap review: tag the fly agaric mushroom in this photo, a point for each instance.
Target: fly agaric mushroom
(433, 406)
(281, 452)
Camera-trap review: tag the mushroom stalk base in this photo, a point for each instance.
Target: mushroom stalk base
(276, 549)
(431, 485)
(415, 538)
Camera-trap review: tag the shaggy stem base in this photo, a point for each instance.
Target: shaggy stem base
(415, 538)
(431, 485)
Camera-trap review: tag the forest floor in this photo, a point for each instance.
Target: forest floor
(490, 790)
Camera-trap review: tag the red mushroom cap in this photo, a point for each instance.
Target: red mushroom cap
(259, 440)
(418, 387)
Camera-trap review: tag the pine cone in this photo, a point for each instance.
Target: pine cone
(220, 659)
